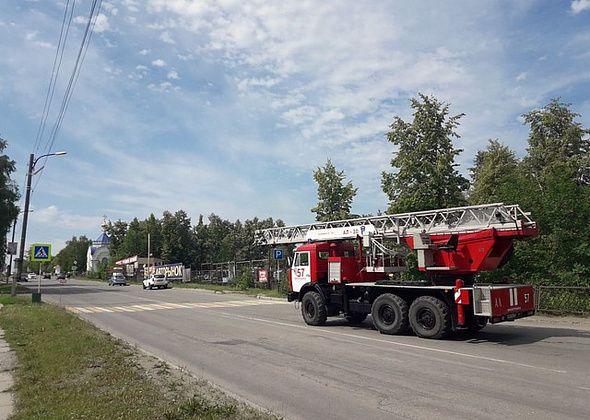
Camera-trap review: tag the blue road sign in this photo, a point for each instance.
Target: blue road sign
(41, 252)
(277, 254)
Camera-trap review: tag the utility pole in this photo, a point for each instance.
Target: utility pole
(10, 260)
(23, 236)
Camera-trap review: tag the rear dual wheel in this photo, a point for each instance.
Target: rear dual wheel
(430, 317)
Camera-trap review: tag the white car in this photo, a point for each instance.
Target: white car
(31, 276)
(156, 281)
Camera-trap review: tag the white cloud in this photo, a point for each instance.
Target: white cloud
(172, 75)
(165, 37)
(43, 44)
(578, 6)
(31, 35)
(144, 51)
(111, 8)
(101, 22)
(522, 76)
(159, 63)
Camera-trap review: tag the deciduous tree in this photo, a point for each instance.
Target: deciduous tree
(426, 176)
(334, 196)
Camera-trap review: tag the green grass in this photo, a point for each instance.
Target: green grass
(69, 369)
(231, 289)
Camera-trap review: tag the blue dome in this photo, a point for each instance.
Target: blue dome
(103, 239)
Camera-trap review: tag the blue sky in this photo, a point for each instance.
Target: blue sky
(228, 106)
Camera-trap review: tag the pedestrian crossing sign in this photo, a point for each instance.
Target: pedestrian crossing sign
(41, 252)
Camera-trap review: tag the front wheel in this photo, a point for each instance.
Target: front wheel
(313, 309)
(430, 317)
(390, 314)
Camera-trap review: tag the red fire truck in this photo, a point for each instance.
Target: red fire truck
(348, 267)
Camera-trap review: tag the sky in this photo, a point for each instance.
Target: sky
(228, 107)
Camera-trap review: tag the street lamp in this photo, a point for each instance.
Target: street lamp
(23, 236)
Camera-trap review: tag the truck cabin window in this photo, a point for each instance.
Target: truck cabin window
(302, 259)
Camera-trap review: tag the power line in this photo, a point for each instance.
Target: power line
(92, 17)
(57, 60)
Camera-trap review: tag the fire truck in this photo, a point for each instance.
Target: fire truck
(350, 267)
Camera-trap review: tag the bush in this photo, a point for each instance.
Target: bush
(245, 281)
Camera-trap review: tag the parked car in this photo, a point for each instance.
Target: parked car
(31, 277)
(117, 279)
(24, 277)
(157, 281)
(46, 275)
(61, 276)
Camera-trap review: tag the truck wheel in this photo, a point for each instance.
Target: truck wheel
(313, 309)
(356, 318)
(430, 317)
(390, 314)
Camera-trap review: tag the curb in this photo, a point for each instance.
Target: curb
(7, 363)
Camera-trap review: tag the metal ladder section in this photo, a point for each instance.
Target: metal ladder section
(443, 221)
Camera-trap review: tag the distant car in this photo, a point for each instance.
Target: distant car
(117, 279)
(24, 277)
(61, 276)
(46, 275)
(157, 281)
(31, 276)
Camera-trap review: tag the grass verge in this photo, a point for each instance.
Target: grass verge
(68, 368)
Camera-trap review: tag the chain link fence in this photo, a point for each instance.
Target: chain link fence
(234, 273)
(562, 300)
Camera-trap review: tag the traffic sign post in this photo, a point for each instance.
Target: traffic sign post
(40, 253)
(277, 254)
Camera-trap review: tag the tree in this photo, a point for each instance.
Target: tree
(134, 242)
(494, 174)
(178, 242)
(426, 177)
(554, 137)
(116, 232)
(334, 197)
(548, 184)
(8, 198)
(73, 254)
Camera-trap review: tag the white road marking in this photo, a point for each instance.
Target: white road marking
(395, 343)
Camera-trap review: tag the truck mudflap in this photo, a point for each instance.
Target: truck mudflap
(503, 302)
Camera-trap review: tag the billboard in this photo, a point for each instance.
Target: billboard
(172, 271)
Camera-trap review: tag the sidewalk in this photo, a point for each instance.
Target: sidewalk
(7, 363)
(543, 320)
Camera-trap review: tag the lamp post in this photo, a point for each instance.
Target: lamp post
(23, 236)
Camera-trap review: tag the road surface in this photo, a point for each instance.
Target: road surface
(261, 351)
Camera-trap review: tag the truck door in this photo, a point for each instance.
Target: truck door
(300, 270)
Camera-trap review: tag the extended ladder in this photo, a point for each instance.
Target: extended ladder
(443, 221)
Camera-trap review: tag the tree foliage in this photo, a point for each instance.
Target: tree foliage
(334, 197)
(8, 197)
(547, 183)
(426, 177)
(73, 254)
(495, 174)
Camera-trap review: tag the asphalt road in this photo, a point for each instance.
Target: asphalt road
(261, 351)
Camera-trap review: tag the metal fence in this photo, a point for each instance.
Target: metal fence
(563, 300)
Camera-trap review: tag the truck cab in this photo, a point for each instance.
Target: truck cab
(311, 262)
